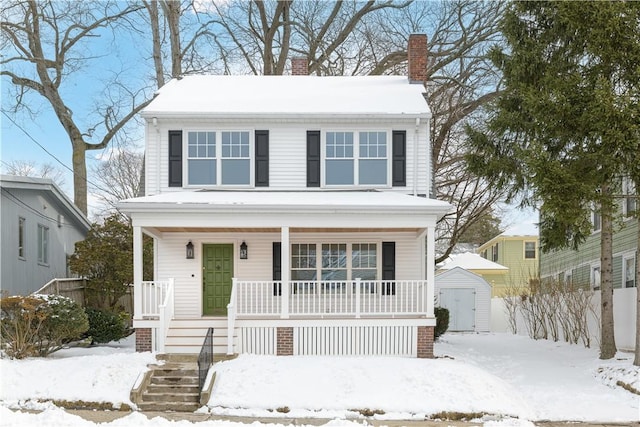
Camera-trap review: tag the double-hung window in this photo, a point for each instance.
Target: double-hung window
(218, 158)
(43, 244)
(356, 160)
(529, 250)
(629, 204)
(201, 157)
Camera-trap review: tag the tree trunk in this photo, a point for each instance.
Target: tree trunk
(607, 338)
(79, 175)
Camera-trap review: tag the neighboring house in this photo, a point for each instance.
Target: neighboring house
(517, 251)
(40, 227)
(467, 296)
(494, 274)
(291, 214)
(582, 266)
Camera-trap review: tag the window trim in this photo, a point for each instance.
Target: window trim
(356, 157)
(219, 158)
(43, 244)
(535, 249)
(628, 192)
(349, 256)
(595, 215)
(22, 240)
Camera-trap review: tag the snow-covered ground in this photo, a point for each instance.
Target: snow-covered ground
(512, 379)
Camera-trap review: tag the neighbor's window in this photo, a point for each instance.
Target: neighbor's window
(629, 203)
(596, 220)
(629, 272)
(494, 253)
(21, 237)
(201, 158)
(43, 244)
(595, 277)
(529, 250)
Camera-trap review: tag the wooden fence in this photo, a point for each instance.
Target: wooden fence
(75, 290)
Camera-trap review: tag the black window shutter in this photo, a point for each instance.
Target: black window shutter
(175, 158)
(399, 165)
(262, 158)
(388, 267)
(277, 268)
(313, 158)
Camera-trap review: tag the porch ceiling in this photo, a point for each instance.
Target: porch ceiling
(277, 230)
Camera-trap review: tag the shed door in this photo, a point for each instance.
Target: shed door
(461, 304)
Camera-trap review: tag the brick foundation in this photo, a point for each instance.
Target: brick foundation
(143, 339)
(285, 342)
(425, 342)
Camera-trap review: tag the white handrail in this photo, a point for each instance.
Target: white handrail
(231, 314)
(165, 311)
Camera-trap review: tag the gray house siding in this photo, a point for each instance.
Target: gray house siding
(39, 203)
(557, 263)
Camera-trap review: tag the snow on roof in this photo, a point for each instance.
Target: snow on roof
(470, 261)
(289, 199)
(529, 228)
(289, 95)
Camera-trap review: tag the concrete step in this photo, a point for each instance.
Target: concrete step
(169, 406)
(193, 349)
(170, 397)
(174, 381)
(164, 371)
(171, 389)
(192, 340)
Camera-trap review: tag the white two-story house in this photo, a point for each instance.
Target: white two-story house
(291, 214)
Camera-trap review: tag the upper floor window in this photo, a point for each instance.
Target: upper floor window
(213, 163)
(21, 237)
(529, 250)
(366, 163)
(629, 202)
(595, 277)
(494, 253)
(43, 244)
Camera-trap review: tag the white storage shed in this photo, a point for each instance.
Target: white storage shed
(467, 296)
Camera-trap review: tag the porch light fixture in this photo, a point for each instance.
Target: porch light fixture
(243, 251)
(189, 250)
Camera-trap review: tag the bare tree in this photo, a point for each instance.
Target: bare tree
(31, 168)
(118, 177)
(45, 43)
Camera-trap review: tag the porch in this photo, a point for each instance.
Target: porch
(347, 317)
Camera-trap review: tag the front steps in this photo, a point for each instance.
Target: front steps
(171, 387)
(185, 336)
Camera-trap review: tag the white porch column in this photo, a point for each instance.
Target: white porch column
(431, 284)
(137, 272)
(284, 273)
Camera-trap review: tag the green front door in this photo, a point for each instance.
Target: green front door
(217, 274)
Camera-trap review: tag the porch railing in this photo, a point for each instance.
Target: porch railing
(154, 301)
(353, 298)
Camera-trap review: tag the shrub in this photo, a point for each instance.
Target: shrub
(105, 326)
(442, 321)
(38, 325)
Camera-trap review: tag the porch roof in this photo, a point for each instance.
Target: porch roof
(285, 201)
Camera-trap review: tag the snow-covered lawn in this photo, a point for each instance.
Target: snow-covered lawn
(501, 375)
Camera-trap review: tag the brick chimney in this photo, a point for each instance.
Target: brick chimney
(417, 53)
(299, 66)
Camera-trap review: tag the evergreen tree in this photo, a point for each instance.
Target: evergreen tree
(566, 127)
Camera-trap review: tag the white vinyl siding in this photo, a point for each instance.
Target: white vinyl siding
(171, 260)
(287, 152)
